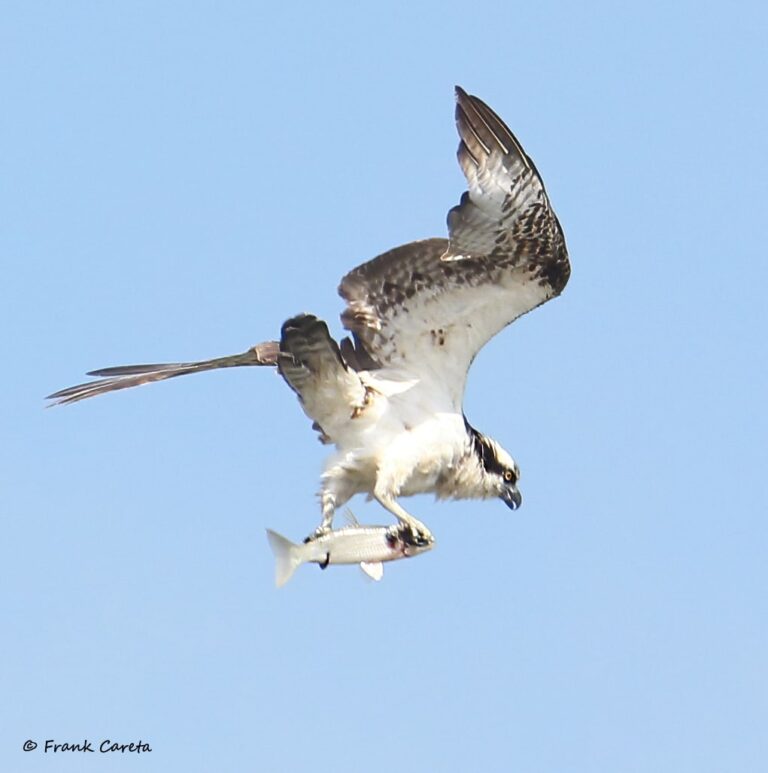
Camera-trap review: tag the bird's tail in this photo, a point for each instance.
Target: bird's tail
(125, 376)
(287, 557)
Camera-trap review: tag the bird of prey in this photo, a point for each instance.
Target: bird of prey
(389, 396)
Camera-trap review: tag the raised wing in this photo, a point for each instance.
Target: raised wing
(425, 309)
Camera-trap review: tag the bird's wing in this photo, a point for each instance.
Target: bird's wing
(312, 365)
(426, 308)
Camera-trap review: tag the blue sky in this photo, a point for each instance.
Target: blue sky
(177, 179)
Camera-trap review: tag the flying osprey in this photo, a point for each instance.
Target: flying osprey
(389, 398)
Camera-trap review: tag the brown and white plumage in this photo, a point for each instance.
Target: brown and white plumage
(390, 396)
(435, 303)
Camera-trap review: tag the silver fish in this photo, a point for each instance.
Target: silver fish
(368, 546)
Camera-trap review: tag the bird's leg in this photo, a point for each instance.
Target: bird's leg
(417, 528)
(328, 506)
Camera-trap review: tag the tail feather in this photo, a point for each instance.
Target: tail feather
(287, 557)
(125, 376)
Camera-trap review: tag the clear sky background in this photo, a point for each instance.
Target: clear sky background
(177, 179)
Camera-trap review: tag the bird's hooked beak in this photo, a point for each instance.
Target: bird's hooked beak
(512, 497)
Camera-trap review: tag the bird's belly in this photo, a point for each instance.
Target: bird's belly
(421, 482)
(406, 447)
(424, 458)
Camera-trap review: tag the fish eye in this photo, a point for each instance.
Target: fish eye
(509, 476)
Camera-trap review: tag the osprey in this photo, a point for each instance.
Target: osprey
(389, 397)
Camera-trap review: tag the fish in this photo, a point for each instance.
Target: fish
(368, 546)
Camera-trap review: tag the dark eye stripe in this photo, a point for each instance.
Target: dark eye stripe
(487, 455)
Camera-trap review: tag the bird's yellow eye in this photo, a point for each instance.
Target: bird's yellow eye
(509, 475)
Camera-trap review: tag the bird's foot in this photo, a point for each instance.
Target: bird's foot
(415, 533)
(320, 531)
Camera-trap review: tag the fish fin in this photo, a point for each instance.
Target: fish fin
(349, 517)
(375, 569)
(287, 557)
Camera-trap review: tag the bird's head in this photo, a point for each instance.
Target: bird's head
(499, 470)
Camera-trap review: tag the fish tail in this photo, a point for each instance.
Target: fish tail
(287, 557)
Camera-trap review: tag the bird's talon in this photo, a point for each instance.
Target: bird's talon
(320, 531)
(417, 537)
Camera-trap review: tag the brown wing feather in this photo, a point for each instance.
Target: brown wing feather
(433, 304)
(506, 213)
(311, 363)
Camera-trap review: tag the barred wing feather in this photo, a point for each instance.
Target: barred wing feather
(425, 309)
